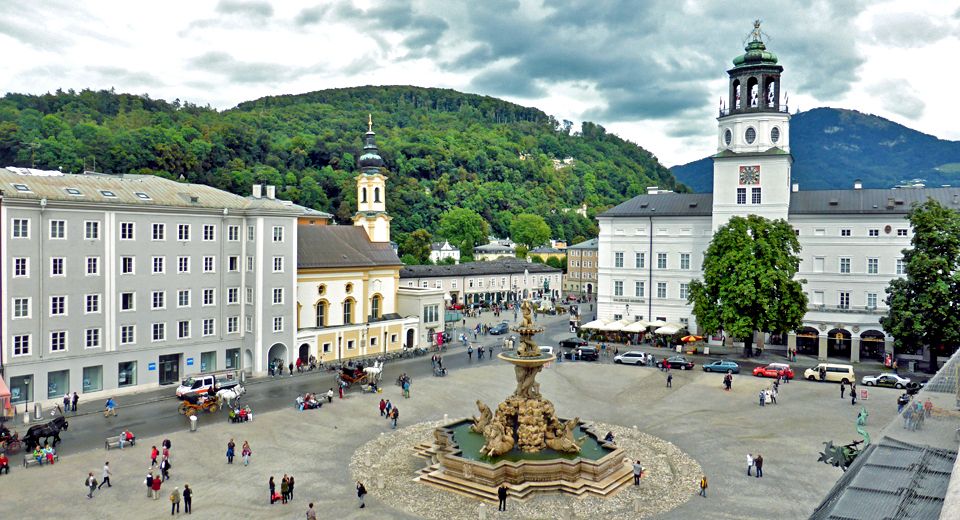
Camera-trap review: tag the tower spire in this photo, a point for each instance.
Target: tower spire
(369, 122)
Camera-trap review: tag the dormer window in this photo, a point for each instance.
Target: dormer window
(107, 193)
(22, 187)
(142, 195)
(73, 191)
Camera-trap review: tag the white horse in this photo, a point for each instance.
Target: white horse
(229, 395)
(373, 373)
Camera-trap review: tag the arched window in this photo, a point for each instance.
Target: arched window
(376, 194)
(753, 92)
(375, 306)
(363, 194)
(348, 311)
(735, 95)
(321, 313)
(770, 93)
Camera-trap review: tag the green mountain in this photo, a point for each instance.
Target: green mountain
(833, 147)
(444, 148)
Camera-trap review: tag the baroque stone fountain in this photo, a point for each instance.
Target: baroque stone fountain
(524, 443)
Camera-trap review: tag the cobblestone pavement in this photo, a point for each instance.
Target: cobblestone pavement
(715, 428)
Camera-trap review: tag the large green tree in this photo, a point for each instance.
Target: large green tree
(529, 230)
(463, 228)
(925, 305)
(749, 280)
(417, 245)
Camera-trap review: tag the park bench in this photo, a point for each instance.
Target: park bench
(30, 460)
(114, 442)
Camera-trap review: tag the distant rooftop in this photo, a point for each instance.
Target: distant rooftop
(592, 244)
(494, 267)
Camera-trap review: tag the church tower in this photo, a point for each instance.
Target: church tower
(751, 170)
(371, 191)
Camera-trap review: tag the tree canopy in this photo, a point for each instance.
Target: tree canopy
(529, 230)
(925, 305)
(463, 228)
(748, 280)
(417, 245)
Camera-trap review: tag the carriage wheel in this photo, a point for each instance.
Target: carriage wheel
(191, 412)
(13, 447)
(182, 408)
(213, 408)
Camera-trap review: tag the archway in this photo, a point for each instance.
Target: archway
(872, 345)
(304, 352)
(808, 341)
(277, 355)
(838, 343)
(248, 361)
(410, 337)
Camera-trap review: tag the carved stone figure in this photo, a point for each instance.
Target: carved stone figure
(498, 440)
(563, 439)
(527, 386)
(771, 94)
(527, 321)
(480, 423)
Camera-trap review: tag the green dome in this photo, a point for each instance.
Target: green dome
(756, 54)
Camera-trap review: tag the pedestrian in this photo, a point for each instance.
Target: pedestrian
(763, 397)
(91, 484)
(187, 499)
(165, 454)
(758, 463)
(110, 408)
(66, 402)
(311, 514)
(388, 409)
(773, 395)
(175, 501)
(165, 468)
(154, 453)
(470, 351)
(406, 389)
(106, 475)
(669, 380)
(927, 407)
(273, 491)
(908, 418)
(393, 418)
(361, 492)
(340, 386)
(853, 396)
(284, 489)
(149, 483)
(843, 387)
(245, 452)
(895, 367)
(166, 446)
(290, 484)
(291, 369)
(330, 396)
(749, 464)
(637, 473)
(76, 398)
(502, 496)
(157, 481)
(230, 447)
(703, 486)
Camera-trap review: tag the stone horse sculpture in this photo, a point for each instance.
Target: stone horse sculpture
(562, 438)
(481, 423)
(44, 432)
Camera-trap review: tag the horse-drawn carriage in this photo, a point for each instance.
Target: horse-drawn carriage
(9, 441)
(191, 405)
(367, 377)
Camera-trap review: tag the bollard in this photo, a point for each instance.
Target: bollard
(444, 417)
(26, 414)
(482, 511)
(637, 505)
(37, 411)
(380, 482)
(193, 423)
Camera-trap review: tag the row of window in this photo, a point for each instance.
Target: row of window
(128, 231)
(76, 192)
(640, 289)
(754, 196)
(640, 260)
(844, 265)
(322, 307)
(872, 232)
(536, 281)
(577, 252)
(586, 263)
(583, 275)
(158, 265)
(843, 299)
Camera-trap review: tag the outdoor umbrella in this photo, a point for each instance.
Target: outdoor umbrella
(595, 324)
(657, 323)
(667, 330)
(691, 339)
(636, 327)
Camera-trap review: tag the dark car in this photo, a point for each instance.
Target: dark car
(501, 328)
(573, 342)
(676, 362)
(583, 354)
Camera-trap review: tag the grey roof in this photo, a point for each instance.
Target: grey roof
(341, 246)
(493, 267)
(437, 246)
(545, 250)
(669, 204)
(139, 190)
(493, 248)
(305, 211)
(592, 244)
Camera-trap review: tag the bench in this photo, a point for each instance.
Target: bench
(114, 442)
(30, 460)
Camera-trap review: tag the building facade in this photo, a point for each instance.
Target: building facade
(440, 251)
(652, 246)
(581, 277)
(495, 281)
(428, 306)
(114, 283)
(547, 252)
(493, 251)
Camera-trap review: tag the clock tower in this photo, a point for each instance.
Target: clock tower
(372, 190)
(751, 169)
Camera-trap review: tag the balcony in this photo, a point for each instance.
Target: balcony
(846, 309)
(753, 110)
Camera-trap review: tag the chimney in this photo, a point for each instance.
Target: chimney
(796, 187)
(857, 184)
(257, 191)
(652, 190)
(271, 192)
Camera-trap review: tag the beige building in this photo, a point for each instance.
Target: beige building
(426, 304)
(581, 278)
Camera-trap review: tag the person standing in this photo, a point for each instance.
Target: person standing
(106, 475)
(393, 418)
(290, 487)
(91, 484)
(311, 513)
(245, 452)
(76, 398)
(763, 397)
(703, 486)
(383, 405)
(406, 389)
(66, 402)
(187, 499)
(156, 486)
(773, 395)
(843, 388)
(154, 453)
(853, 394)
(230, 447)
(388, 408)
(470, 350)
(149, 483)
(758, 462)
(637, 473)
(749, 464)
(340, 386)
(175, 501)
(273, 490)
(284, 489)
(669, 380)
(361, 492)
(502, 496)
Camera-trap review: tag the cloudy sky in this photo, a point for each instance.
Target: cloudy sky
(652, 71)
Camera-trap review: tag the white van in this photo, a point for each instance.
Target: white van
(831, 372)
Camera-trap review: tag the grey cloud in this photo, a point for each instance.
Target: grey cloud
(249, 8)
(248, 72)
(909, 29)
(506, 82)
(127, 78)
(421, 30)
(311, 15)
(33, 36)
(899, 97)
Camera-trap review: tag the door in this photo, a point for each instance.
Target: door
(169, 369)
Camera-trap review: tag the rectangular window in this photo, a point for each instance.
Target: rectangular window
(159, 264)
(92, 303)
(21, 308)
(208, 327)
(183, 298)
(901, 267)
(209, 233)
(844, 266)
(618, 259)
(233, 263)
(158, 300)
(159, 231)
(58, 229)
(21, 228)
(684, 290)
(209, 297)
(618, 288)
(93, 377)
(183, 232)
(183, 264)
(128, 334)
(91, 338)
(183, 329)
(873, 265)
(278, 264)
(874, 232)
(278, 322)
(128, 301)
(58, 305)
(21, 267)
(248, 323)
(661, 260)
(249, 296)
(278, 295)
(661, 289)
(755, 195)
(278, 233)
(158, 332)
(233, 233)
(741, 195)
(209, 264)
(58, 341)
(91, 230)
(126, 265)
(843, 300)
(233, 324)
(871, 300)
(93, 265)
(127, 231)
(901, 232)
(57, 266)
(845, 232)
(127, 373)
(250, 233)
(684, 260)
(21, 345)
(250, 264)
(638, 289)
(233, 295)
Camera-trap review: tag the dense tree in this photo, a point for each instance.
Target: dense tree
(748, 280)
(529, 230)
(521, 251)
(417, 245)
(463, 228)
(925, 305)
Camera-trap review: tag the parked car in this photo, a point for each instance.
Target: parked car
(832, 372)
(773, 369)
(546, 350)
(722, 365)
(634, 357)
(913, 387)
(888, 380)
(199, 384)
(676, 362)
(583, 354)
(500, 328)
(573, 342)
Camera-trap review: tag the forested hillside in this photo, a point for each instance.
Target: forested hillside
(443, 148)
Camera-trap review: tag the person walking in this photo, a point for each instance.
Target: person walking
(245, 452)
(749, 464)
(843, 388)
(230, 447)
(175, 501)
(187, 499)
(273, 491)
(361, 492)
(106, 475)
(91, 483)
(383, 405)
(470, 351)
(149, 483)
(502, 496)
(290, 487)
(637, 473)
(763, 397)
(703, 486)
(311, 513)
(853, 395)
(393, 418)
(669, 380)
(165, 468)
(154, 453)
(110, 408)
(406, 389)
(773, 395)
(66, 402)
(76, 398)
(388, 409)
(758, 463)
(340, 388)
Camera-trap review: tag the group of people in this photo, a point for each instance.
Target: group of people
(241, 413)
(308, 401)
(245, 452)
(70, 403)
(390, 412)
(44, 454)
(915, 414)
(843, 387)
(756, 464)
(286, 490)
(164, 465)
(436, 361)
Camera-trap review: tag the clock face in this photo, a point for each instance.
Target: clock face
(749, 175)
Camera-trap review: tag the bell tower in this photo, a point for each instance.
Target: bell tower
(371, 190)
(751, 170)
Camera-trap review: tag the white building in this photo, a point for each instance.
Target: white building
(493, 281)
(443, 250)
(652, 246)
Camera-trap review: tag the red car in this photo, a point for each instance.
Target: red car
(773, 369)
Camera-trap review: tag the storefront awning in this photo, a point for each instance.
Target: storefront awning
(595, 324)
(637, 327)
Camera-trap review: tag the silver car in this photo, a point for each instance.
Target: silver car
(634, 357)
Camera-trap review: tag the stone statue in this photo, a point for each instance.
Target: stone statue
(526, 309)
(756, 34)
(527, 386)
(562, 438)
(498, 440)
(480, 423)
(737, 99)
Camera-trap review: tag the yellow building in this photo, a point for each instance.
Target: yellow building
(547, 252)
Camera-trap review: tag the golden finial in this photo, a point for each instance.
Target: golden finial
(370, 122)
